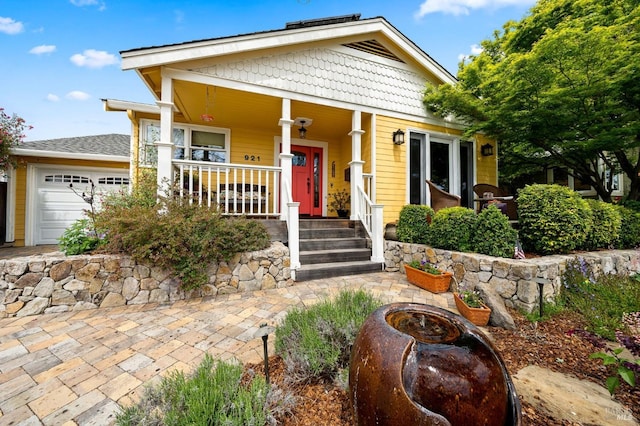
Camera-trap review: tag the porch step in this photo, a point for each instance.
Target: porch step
(336, 269)
(333, 256)
(333, 247)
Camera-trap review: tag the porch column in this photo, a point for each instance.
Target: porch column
(165, 145)
(356, 163)
(285, 157)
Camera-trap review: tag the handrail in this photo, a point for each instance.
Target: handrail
(371, 217)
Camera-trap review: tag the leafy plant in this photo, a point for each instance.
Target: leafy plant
(602, 300)
(605, 229)
(624, 368)
(452, 229)
(177, 235)
(315, 342)
(553, 219)
(629, 227)
(12, 128)
(214, 394)
(493, 235)
(413, 224)
(425, 266)
(472, 299)
(79, 238)
(339, 200)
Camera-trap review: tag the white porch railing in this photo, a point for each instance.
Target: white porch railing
(237, 189)
(292, 216)
(371, 217)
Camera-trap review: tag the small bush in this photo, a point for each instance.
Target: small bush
(493, 235)
(315, 343)
(632, 204)
(79, 238)
(553, 219)
(605, 227)
(214, 394)
(413, 224)
(178, 235)
(629, 228)
(452, 229)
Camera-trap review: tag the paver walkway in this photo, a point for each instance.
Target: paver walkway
(74, 368)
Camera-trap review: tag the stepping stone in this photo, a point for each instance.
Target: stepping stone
(566, 397)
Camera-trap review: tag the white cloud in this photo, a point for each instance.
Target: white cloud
(11, 27)
(91, 58)
(463, 7)
(44, 48)
(53, 98)
(81, 3)
(179, 16)
(475, 51)
(77, 95)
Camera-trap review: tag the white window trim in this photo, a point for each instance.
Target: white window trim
(589, 192)
(187, 138)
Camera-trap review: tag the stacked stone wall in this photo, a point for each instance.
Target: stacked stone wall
(58, 283)
(515, 280)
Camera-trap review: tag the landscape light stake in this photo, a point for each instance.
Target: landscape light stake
(541, 287)
(263, 332)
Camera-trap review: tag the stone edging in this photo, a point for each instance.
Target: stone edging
(515, 280)
(58, 283)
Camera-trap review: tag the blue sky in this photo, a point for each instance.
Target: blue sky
(61, 57)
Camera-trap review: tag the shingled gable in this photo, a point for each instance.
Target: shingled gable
(349, 28)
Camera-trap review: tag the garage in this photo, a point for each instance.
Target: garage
(57, 206)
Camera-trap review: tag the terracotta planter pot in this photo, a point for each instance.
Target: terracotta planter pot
(415, 364)
(478, 316)
(430, 282)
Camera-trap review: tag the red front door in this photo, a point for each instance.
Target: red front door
(307, 179)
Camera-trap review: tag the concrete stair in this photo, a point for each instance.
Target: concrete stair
(334, 247)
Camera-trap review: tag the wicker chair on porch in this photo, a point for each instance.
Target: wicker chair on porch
(441, 199)
(511, 208)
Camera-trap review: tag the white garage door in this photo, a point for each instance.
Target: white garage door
(57, 206)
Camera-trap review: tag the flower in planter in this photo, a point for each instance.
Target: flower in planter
(423, 265)
(339, 200)
(472, 299)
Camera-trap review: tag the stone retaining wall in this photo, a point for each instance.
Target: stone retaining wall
(516, 281)
(58, 283)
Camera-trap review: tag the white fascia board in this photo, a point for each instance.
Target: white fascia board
(69, 155)
(116, 105)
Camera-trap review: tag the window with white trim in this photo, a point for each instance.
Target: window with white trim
(198, 143)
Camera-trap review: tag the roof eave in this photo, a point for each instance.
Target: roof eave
(69, 155)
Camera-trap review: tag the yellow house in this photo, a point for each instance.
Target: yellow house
(270, 124)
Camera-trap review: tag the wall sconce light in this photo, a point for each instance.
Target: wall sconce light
(302, 131)
(398, 137)
(486, 150)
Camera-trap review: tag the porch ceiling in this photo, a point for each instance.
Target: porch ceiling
(232, 108)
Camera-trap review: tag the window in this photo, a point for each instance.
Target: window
(197, 143)
(560, 176)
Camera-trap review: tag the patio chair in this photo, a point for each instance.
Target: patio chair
(511, 206)
(441, 199)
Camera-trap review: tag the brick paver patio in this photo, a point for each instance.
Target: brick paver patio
(76, 368)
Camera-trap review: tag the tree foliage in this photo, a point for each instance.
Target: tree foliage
(557, 89)
(12, 130)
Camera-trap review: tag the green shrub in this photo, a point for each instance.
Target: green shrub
(452, 229)
(179, 235)
(315, 342)
(553, 219)
(629, 228)
(413, 224)
(78, 238)
(214, 394)
(605, 228)
(632, 204)
(493, 235)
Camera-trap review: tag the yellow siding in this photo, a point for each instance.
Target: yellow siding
(486, 167)
(392, 169)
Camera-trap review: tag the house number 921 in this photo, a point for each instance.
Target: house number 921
(252, 158)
